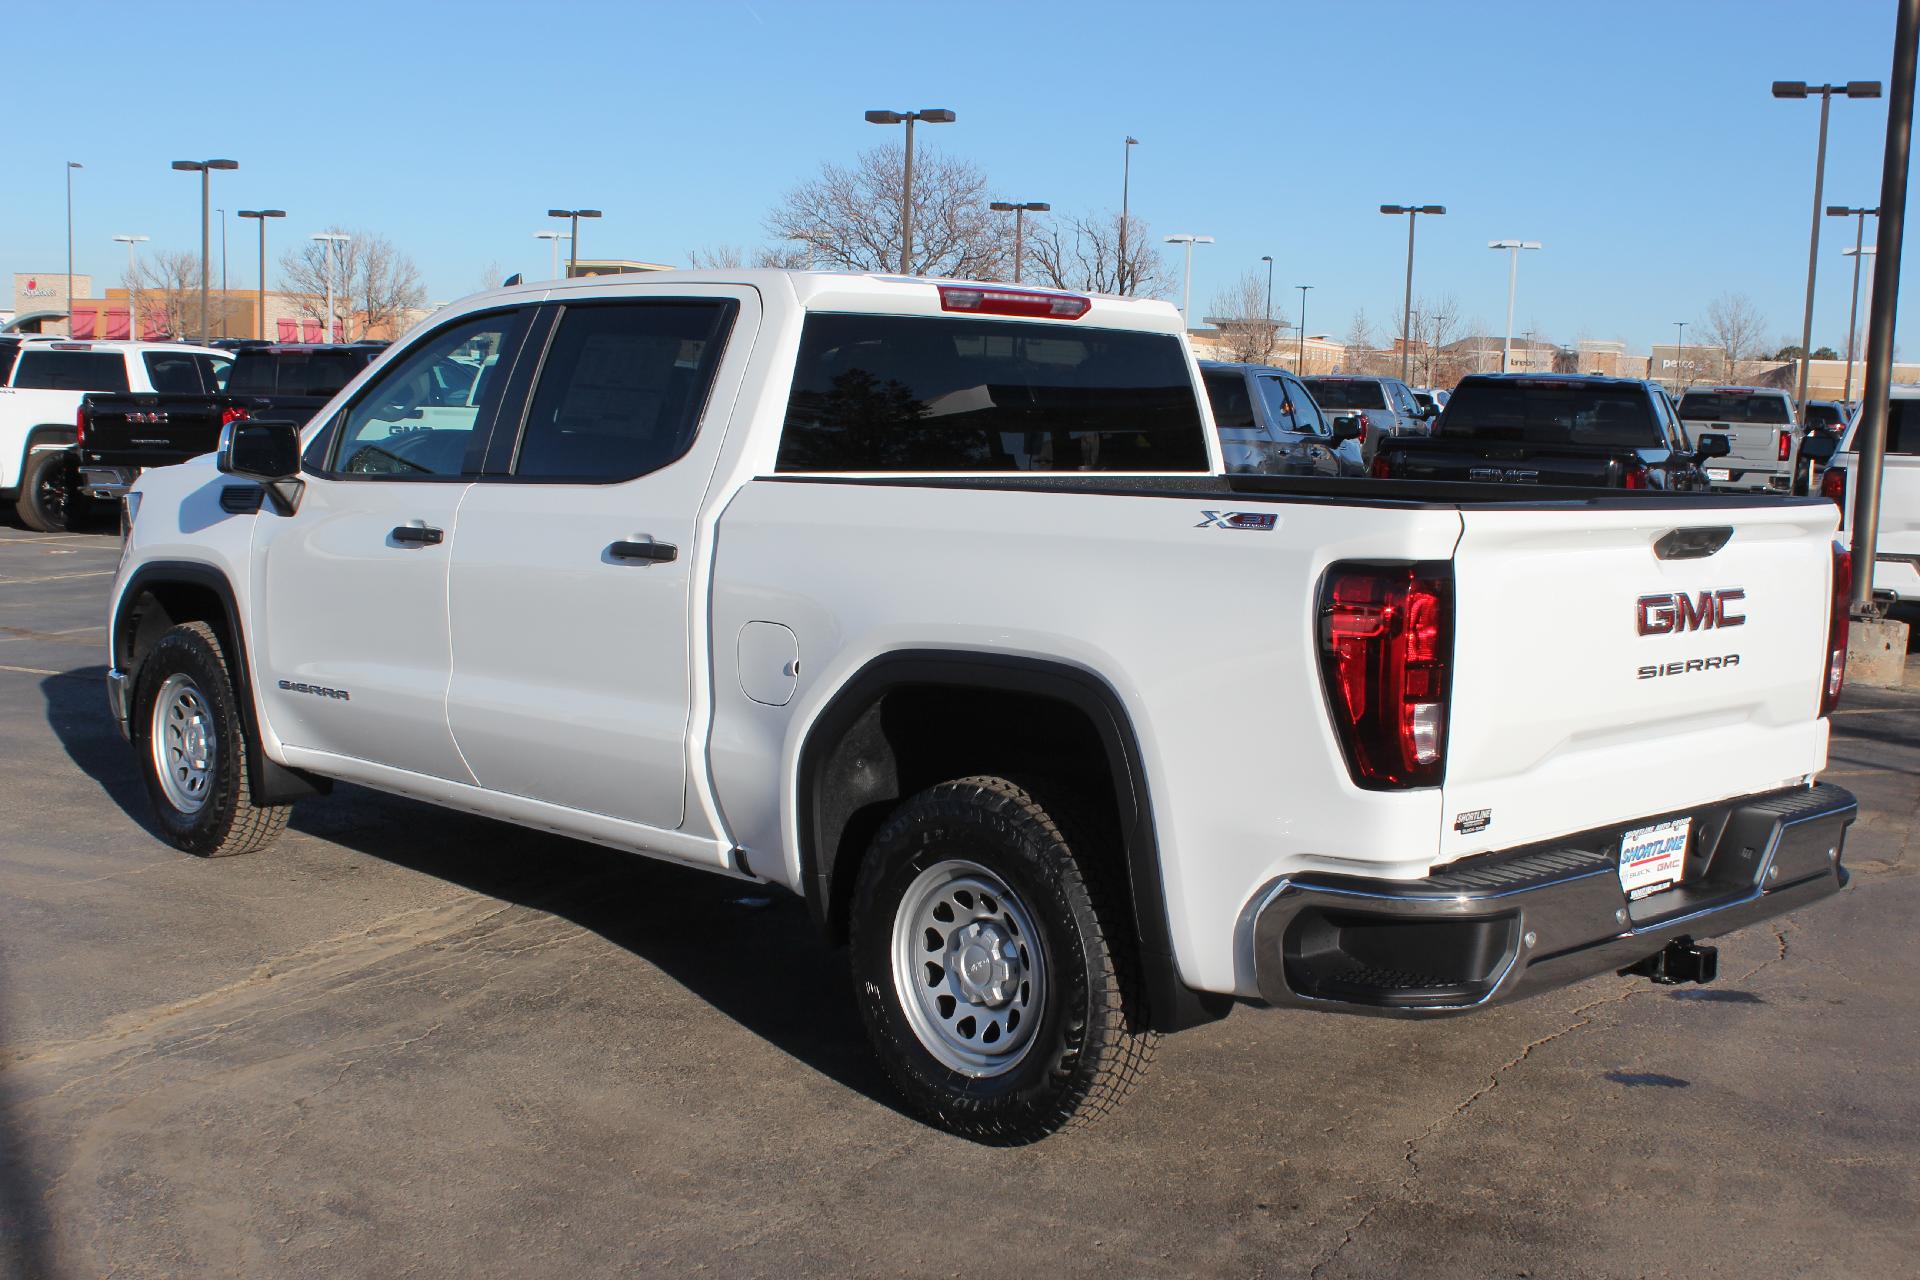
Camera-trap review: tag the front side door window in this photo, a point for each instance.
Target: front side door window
(426, 416)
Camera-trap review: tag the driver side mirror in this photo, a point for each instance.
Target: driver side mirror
(1713, 445)
(267, 452)
(1346, 427)
(1820, 448)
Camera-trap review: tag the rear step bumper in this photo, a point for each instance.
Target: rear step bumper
(1507, 925)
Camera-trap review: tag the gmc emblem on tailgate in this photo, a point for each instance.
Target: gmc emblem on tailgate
(151, 419)
(1665, 614)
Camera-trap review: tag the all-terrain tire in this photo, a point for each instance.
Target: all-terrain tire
(198, 737)
(46, 490)
(1088, 1044)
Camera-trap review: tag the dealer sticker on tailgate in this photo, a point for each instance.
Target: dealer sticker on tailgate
(1652, 858)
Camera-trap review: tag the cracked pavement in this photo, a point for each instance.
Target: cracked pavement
(407, 1042)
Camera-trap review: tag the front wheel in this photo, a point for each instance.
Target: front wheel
(192, 745)
(994, 966)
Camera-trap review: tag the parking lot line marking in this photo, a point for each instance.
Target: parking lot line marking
(62, 577)
(32, 671)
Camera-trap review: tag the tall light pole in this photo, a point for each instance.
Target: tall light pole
(223, 271)
(1300, 361)
(204, 168)
(260, 295)
(1019, 212)
(1853, 307)
(1186, 305)
(1413, 212)
(331, 239)
(573, 246)
(1126, 183)
(1801, 89)
(932, 115)
(1268, 259)
(133, 294)
(1513, 281)
(553, 239)
(1679, 353)
(71, 166)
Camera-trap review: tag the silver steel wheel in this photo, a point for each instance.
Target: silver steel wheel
(968, 966)
(183, 743)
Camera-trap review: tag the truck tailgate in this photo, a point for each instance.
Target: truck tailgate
(149, 429)
(1756, 446)
(1570, 712)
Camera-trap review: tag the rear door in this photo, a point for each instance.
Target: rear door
(1595, 680)
(575, 570)
(38, 408)
(1896, 557)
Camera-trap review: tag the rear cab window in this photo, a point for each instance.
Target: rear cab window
(186, 373)
(54, 370)
(1762, 408)
(1550, 413)
(923, 393)
(268, 372)
(1231, 403)
(1342, 394)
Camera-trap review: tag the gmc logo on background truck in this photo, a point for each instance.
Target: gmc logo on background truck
(1664, 614)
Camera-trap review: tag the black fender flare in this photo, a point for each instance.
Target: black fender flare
(269, 781)
(1171, 1004)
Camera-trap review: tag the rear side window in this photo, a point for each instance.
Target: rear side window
(295, 373)
(1341, 394)
(1232, 406)
(913, 393)
(1551, 413)
(1735, 406)
(622, 389)
(72, 371)
(1306, 413)
(8, 351)
(1903, 426)
(180, 373)
(1823, 415)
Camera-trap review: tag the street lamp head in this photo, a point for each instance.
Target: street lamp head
(1267, 258)
(189, 166)
(1395, 208)
(1789, 88)
(75, 164)
(1431, 208)
(586, 213)
(559, 213)
(936, 115)
(1001, 206)
(1863, 88)
(1037, 206)
(223, 164)
(884, 117)
(1132, 141)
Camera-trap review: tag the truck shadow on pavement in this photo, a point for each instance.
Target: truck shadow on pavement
(25, 1231)
(749, 951)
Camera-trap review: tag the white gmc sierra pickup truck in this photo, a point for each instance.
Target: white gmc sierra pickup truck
(926, 601)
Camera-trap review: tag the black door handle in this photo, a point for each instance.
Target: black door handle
(655, 552)
(416, 535)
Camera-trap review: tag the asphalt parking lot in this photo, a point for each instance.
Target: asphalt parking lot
(410, 1042)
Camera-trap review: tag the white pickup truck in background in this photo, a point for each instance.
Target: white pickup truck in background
(1896, 557)
(40, 404)
(1759, 425)
(925, 601)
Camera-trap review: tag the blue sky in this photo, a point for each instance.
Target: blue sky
(1637, 141)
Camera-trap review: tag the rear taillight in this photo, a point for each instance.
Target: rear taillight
(80, 426)
(1786, 445)
(1833, 484)
(985, 300)
(232, 413)
(1366, 425)
(1386, 649)
(1382, 467)
(1837, 623)
(1638, 477)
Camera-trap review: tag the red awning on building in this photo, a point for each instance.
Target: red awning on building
(81, 322)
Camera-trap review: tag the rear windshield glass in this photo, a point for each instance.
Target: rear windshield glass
(72, 371)
(912, 393)
(1734, 406)
(1232, 406)
(1340, 393)
(1823, 415)
(294, 373)
(1903, 426)
(1550, 413)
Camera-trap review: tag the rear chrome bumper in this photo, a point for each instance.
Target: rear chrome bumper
(106, 482)
(1502, 926)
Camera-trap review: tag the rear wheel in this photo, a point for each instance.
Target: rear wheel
(46, 489)
(994, 966)
(192, 747)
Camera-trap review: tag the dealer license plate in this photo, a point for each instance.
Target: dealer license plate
(1653, 858)
(1719, 473)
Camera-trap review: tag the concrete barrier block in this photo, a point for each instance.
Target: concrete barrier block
(1877, 653)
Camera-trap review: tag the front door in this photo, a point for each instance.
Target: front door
(350, 592)
(574, 573)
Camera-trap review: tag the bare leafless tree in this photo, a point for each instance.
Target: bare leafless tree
(1359, 344)
(376, 287)
(167, 287)
(1734, 325)
(1082, 252)
(490, 276)
(849, 218)
(1239, 312)
(1437, 323)
(729, 257)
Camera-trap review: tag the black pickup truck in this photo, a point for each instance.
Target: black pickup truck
(120, 434)
(1555, 429)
